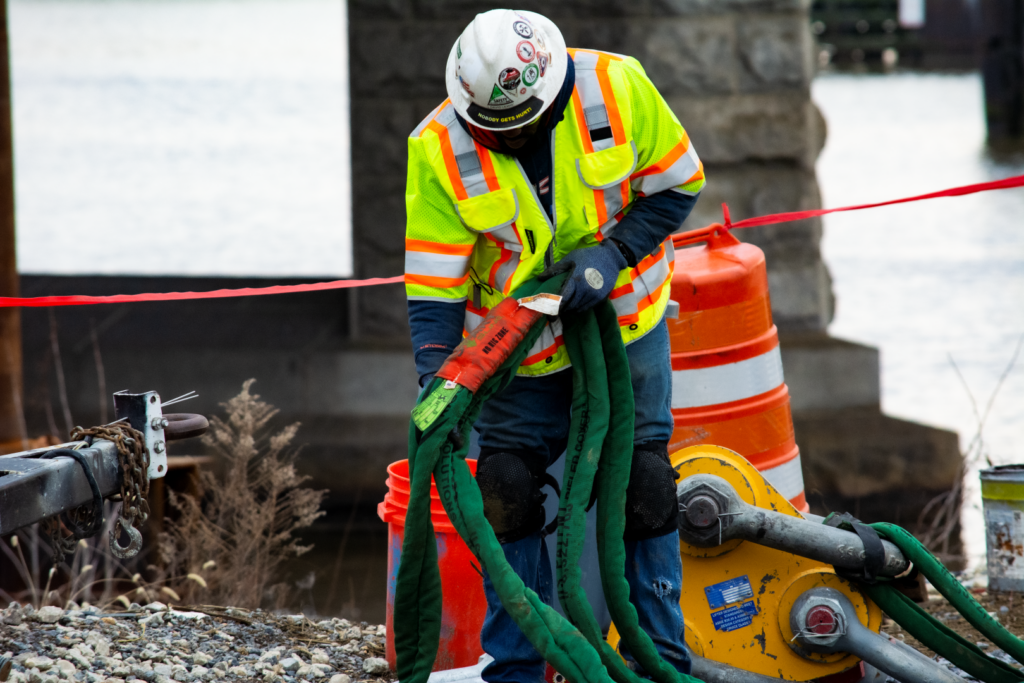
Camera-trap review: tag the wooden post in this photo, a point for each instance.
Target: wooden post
(12, 417)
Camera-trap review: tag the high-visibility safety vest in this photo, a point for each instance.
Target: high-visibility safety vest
(476, 229)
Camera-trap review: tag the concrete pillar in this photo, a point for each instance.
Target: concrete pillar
(738, 76)
(12, 419)
(1003, 68)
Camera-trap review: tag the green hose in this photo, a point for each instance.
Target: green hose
(931, 632)
(600, 371)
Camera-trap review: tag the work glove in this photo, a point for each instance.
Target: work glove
(593, 274)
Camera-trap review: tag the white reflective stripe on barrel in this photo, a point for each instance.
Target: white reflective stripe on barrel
(725, 383)
(787, 478)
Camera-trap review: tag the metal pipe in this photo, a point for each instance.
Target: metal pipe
(825, 621)
(714, 513)
(715, 672)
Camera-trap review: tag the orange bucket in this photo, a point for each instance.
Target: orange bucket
(727, 382)
(462, 587)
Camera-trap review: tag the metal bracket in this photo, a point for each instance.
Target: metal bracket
(144, 414)
(897, 659)
(738, 519)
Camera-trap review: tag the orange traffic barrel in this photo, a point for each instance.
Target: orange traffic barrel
(727, 383)
(462, 586)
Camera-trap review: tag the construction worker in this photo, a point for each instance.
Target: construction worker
(546, 159)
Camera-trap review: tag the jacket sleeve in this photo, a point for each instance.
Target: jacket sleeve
(650, 221)
(437, 246)
(436, 331)
(437, 253)
(665, 158)
(668, 177)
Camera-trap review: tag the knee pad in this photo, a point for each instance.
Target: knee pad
(510, 487)
(651, 506)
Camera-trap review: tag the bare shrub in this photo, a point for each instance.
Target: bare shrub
(229, 541)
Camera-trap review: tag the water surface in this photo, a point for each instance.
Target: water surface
(181, 137)
(931, 281)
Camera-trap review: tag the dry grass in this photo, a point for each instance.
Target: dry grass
(230, 540)
(940, 518)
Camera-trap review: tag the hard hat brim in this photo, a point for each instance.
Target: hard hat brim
(526, 112)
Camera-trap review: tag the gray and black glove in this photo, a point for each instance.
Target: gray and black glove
(593, 274)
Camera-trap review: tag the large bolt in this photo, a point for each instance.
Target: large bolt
(822, 620)
(702, 511)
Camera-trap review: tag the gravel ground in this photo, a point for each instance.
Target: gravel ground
(1007, 608)
(158, 644)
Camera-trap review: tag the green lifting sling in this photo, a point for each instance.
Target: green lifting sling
(600, 452)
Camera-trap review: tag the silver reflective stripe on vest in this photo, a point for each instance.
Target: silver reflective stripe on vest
(546, 340)
(595, 112)
(425, 122)
(646, 284)
(435, 265)
(506, 270)
(466, 156)
(680, 172)
(473, 320)
(627, 303)
(653, 278)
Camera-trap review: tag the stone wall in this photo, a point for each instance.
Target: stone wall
(737, 73)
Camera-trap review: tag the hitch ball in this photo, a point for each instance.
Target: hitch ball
(702, 511)
(821, 620)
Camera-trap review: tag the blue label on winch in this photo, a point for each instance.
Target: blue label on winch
(732, 618)
(728, 592)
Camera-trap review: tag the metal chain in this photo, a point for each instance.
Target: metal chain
(134, 459)
(60, 544)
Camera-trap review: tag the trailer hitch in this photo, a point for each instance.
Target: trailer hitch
(99, 463)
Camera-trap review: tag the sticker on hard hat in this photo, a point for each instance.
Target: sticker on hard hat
(542, 59)
(526, 51)
(530, 74)
(735, 617)
(458, 49)
(465, 86)
(509, 79)
(523, 29)
(498, 98)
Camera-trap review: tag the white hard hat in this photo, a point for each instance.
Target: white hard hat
(506, 68)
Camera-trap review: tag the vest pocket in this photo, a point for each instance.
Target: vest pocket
(607, 168)
(490, 211)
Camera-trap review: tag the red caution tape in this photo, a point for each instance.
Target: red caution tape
(75, 300)
(1004, 184)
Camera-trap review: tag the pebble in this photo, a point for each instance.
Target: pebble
(158, 644)
(49, 614)
(375, 666)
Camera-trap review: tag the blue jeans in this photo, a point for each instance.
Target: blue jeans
(532, 414)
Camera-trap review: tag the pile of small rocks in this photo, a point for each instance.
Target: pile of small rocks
(160, 644)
